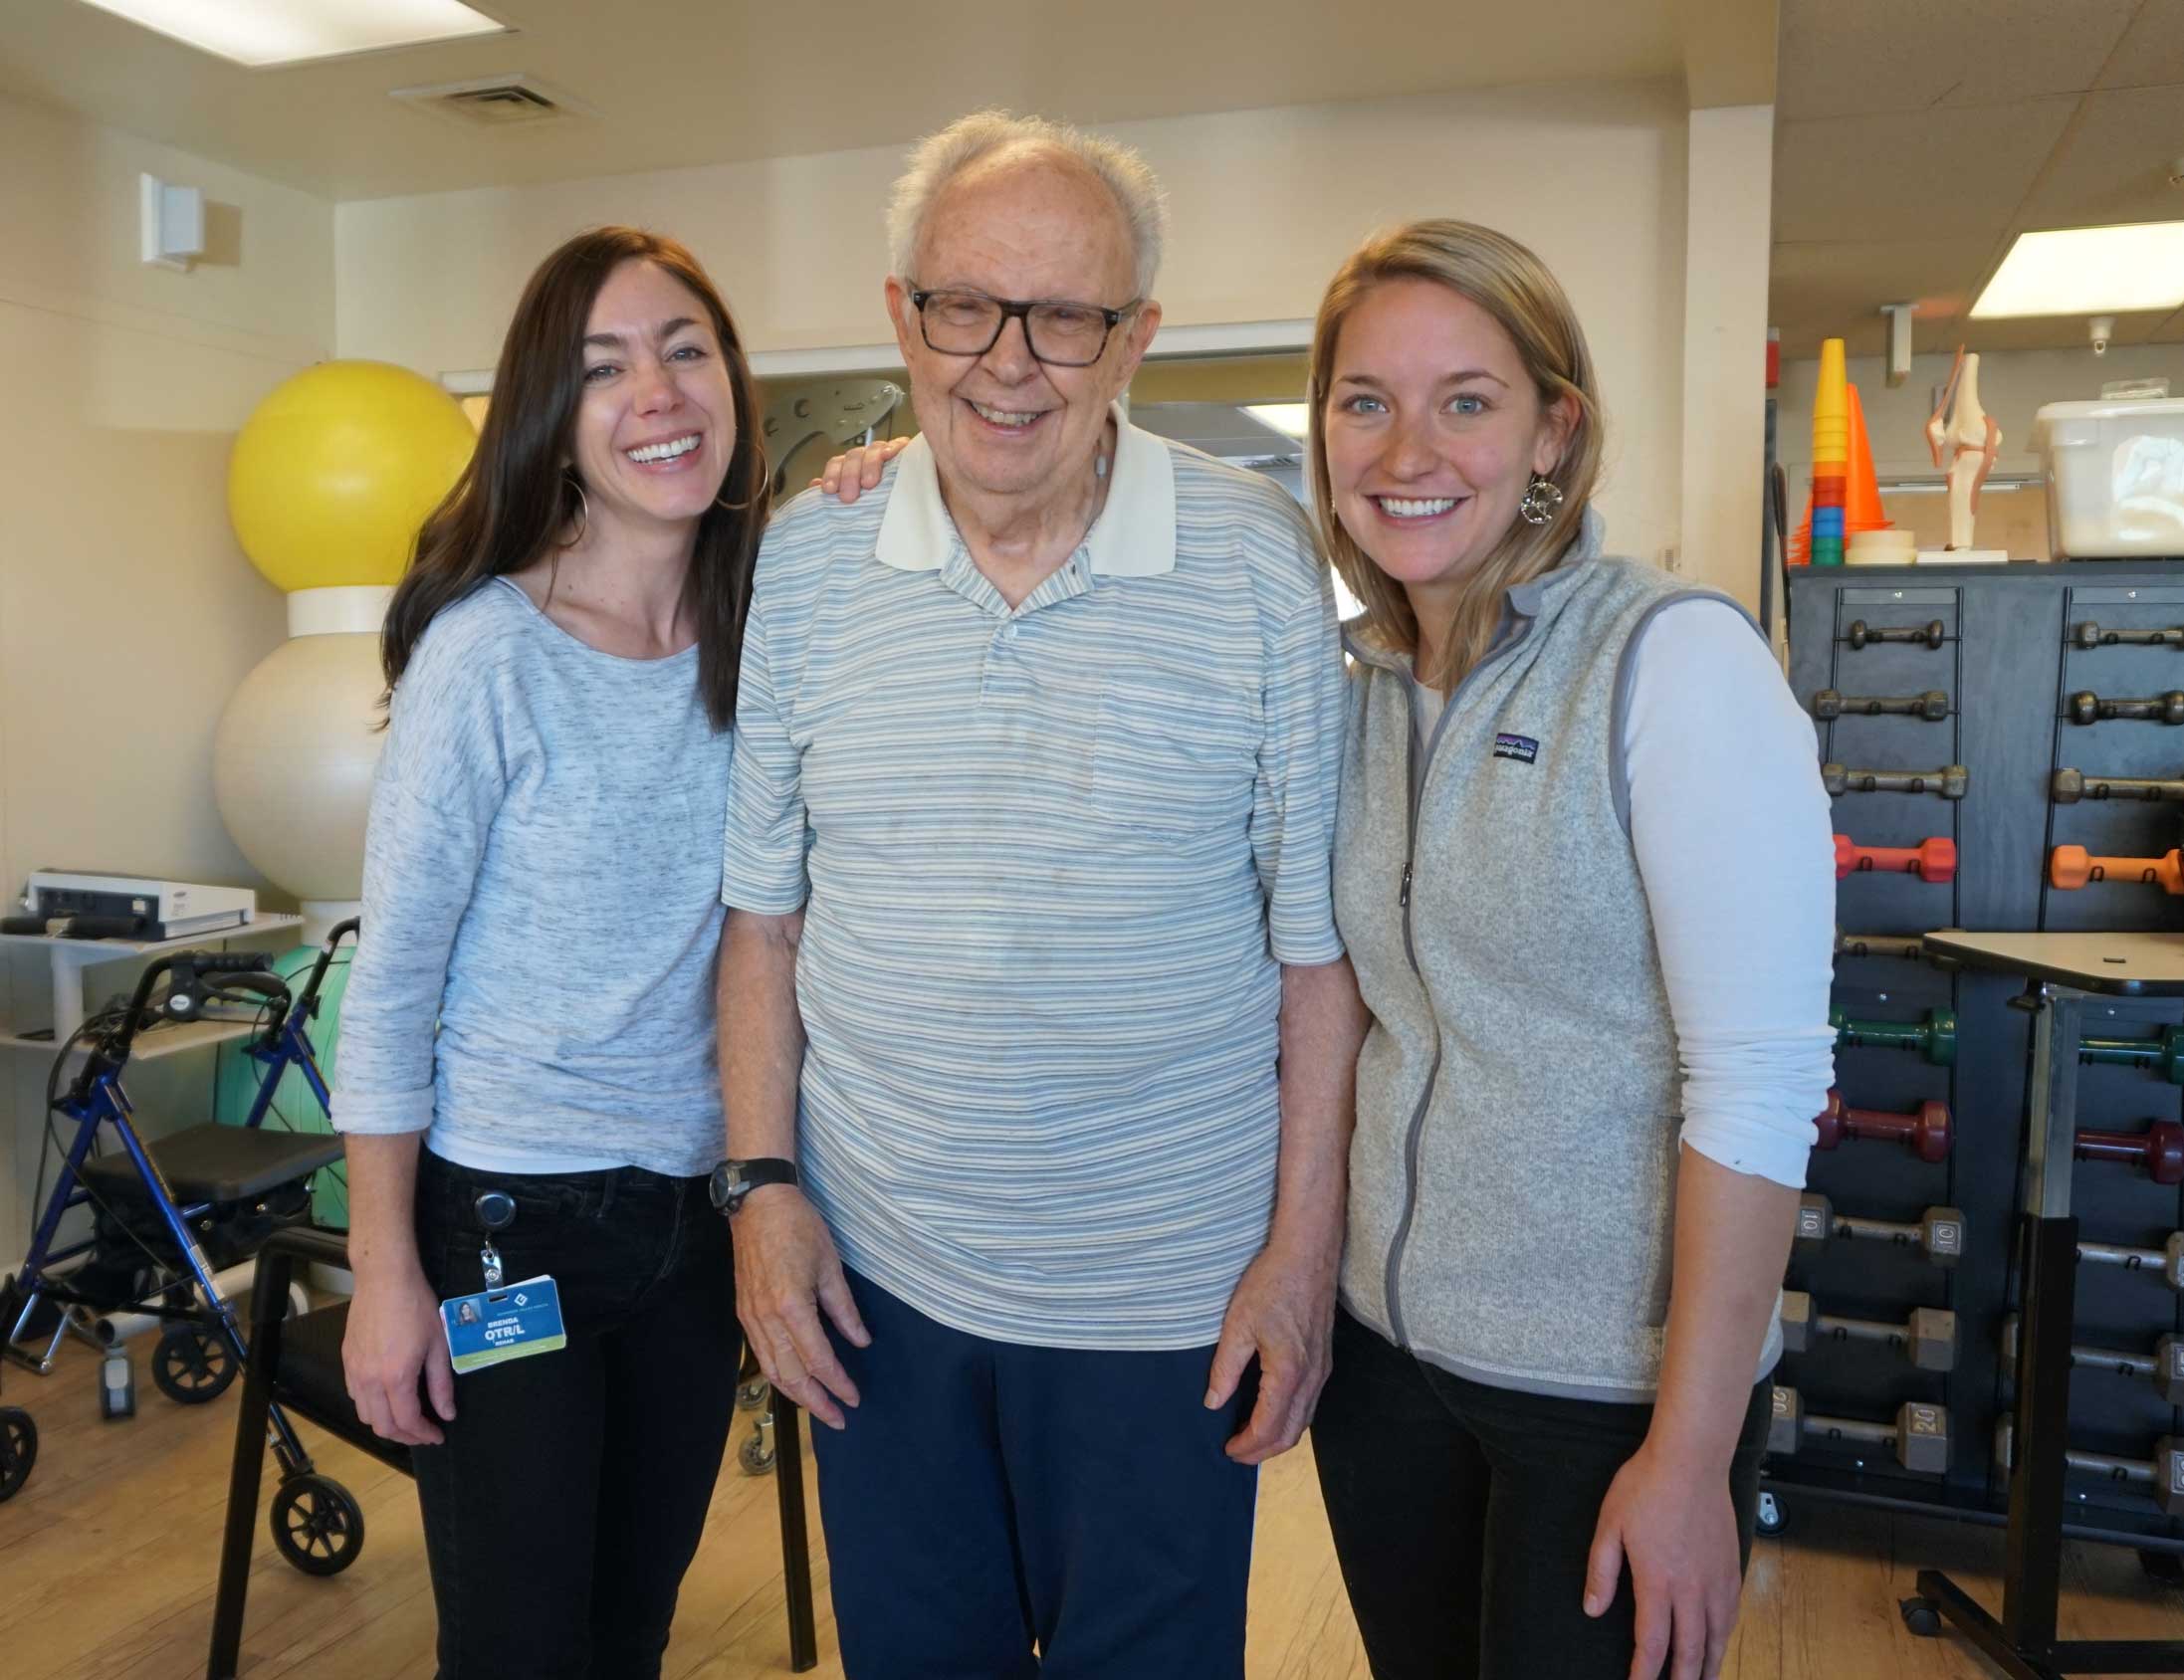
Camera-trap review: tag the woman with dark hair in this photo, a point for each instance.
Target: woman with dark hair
(528, 1073)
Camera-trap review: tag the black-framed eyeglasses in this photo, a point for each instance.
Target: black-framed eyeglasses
(1061, 333)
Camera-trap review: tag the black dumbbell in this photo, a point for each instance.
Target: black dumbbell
(2092, 636)
(1933, 705)
(1861, 634)
(2085, 706)
(2069, 786)
(1951, 781)
(2165, 1262)
(2162, 1476)
(1940, 1233)
(1927, 1339)
(2163, 1368)
(1919, 1437)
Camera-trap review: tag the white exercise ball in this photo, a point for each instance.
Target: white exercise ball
(292, 763)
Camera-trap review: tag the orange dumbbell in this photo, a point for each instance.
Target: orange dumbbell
(1929, 860)
(2073, 867)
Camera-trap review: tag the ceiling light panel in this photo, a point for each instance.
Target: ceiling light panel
(263, 33)
(1291, 419)
(2089, 271)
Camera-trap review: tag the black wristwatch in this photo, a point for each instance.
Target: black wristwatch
(735, 1179)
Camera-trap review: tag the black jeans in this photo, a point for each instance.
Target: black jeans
(1463, 1516)
(569, 1500)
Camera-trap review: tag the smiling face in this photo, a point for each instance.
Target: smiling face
(655, 426)
(1004, 424)
(1432, 431)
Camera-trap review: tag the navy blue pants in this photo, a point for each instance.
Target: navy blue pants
(988, 1500)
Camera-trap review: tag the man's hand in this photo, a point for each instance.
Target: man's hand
(393, 1333)
(786, 1269)
(1283, 1311)
(850, 473)
(1677, 1528)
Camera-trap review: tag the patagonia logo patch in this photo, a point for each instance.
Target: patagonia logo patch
(1521, 748)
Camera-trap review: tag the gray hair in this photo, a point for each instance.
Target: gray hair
(940, 157)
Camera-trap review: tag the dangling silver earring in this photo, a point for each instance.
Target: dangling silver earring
(1542, 497)
(584, 508)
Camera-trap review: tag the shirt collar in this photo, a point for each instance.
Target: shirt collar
(1134, 537)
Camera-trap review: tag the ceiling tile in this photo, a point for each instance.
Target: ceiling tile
(1912, 174)
(1835, 290)
(2152, 48)
(1843, 57)
(2115, 164)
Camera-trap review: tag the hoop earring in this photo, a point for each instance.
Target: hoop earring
(584, 508)
(1542, 499)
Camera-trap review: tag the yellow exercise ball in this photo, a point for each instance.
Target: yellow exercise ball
(338, 467)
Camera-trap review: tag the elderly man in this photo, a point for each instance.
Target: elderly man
(1033, 1015)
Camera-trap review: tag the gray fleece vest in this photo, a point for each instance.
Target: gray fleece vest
(1512, 1176)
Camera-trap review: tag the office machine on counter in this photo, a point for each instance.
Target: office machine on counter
(127, 906)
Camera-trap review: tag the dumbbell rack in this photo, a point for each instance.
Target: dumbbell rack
(2000, 646)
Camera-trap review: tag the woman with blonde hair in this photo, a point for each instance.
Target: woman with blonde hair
(1582, 871)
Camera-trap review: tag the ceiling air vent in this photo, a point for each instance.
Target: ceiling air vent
(494, 102)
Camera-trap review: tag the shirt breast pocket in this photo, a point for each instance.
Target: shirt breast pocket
(1174, 754)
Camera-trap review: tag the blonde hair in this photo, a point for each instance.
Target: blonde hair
(940, 157)
(1511, 283)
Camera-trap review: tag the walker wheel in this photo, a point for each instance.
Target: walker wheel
(751, 1395)
(192, 1364)
(316, 1525)
(18, 1450)
(2165, 1568)
(1771, 1520)
(1922, 1617)
(756, 1456)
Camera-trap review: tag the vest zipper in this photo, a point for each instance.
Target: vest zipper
(1416, 777)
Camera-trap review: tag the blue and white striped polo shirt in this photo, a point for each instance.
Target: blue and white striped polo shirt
(1051, 860)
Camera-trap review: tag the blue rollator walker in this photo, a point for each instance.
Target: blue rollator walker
(230, 1185)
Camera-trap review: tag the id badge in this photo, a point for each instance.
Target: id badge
(498, 1325)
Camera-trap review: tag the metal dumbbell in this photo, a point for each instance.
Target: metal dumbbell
(2092, 636)
(2068, 788)
(1933, 705)
(2165, 1262)
(2163, 1368)
(2073, 867)
(1935, 1037)
(2162, 1476)
(1932, 859)
(1861, 634)
(1940, 1233)
(2085, 706)
(1925, 1130)
(2163, 1054)
(1919, 1437)
(1927, 1339)
(1951, 781)
(2158, 1150)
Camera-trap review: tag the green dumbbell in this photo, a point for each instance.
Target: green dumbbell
(2163, 1055)
(1935, 1037)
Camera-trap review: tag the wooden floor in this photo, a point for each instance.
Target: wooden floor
(108, 1558)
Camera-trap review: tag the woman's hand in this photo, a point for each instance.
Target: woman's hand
(1675, 1525)
(854, 472)
(395, 1333)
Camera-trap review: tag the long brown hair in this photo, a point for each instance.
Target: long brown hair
(515, 498)
(1514, 286)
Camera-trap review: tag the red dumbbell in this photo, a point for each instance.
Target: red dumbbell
(2159, 1149)
(1925, 1130)
(2071, 867)
(1930, 860)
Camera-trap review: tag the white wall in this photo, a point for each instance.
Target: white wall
(127, 614)
(1265, 205)
(1731, 187)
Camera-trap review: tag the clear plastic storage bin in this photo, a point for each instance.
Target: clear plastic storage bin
(2116, 478)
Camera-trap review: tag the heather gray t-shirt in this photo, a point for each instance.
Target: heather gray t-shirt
(541, 878)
